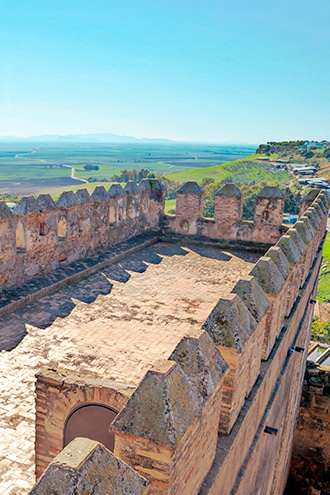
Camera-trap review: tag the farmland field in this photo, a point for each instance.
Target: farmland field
(27, 168)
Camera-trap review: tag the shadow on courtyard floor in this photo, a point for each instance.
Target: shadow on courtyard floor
(43, 312)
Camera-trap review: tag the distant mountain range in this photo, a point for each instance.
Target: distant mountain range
(106, 137)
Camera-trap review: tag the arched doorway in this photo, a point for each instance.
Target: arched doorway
(90, 421)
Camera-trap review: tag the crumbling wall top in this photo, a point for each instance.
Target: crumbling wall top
(83, 197)
(131, 188)
(46, 203)
(116, 191)
(99, 194)
(28, 204)
(67, 200)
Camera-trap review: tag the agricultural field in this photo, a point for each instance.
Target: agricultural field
(39, 168)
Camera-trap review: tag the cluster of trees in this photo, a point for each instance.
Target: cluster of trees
(281, 147)
(298, 142)
(321, 330)
(136, 175)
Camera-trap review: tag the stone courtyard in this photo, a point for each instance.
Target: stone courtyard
(114, 324)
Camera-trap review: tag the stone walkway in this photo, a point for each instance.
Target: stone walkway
(113, 324)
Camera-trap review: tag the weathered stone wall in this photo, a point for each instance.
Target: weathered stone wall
(242, 375)
(227, 224)
(310, 463)
(39, 235)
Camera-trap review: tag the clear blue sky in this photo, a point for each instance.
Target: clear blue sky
(208, 70)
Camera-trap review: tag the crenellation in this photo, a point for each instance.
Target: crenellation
(131, 188)
(280, 260)
(99, 195)
(308, 200)
(194, 423)
(227, 224)
(253, 296)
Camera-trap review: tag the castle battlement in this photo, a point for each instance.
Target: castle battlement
(215, 410)
(41, 235)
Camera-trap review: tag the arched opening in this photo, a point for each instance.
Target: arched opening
(112, 214)
(266, 215)
(120, 213)
(184, 225)
(61, 228)
(20, 237)
(42, 229)
(90, 421)
(129, 208)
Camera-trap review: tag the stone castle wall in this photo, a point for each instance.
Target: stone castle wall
(39, 235)
(219, 415)
(227, 224)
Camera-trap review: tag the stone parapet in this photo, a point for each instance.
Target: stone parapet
(39, 235)
(228, 223)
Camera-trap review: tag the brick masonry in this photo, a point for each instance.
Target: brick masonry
(195, 421)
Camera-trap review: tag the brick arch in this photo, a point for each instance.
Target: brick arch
(90, 420)
(59, 395)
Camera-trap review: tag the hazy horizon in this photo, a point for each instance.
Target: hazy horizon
(105, 137)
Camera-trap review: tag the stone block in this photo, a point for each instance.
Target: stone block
(290, 249)
(280, 260)
(268, 276)
(67, 200)
(83, 197)
(131, 188)
(201, 362)
(46, 203)
(116, 191)
(252, 296)
(230, 323)
(26, 205)
(87, 467)
(99, 194)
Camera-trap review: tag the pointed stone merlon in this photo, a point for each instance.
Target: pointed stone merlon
(228, 205)
(269, 207)
(308, 200)
(323, 202)
(174, 411)
(239, 338)
(202, 363)
(189, 207)
(86, 466)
